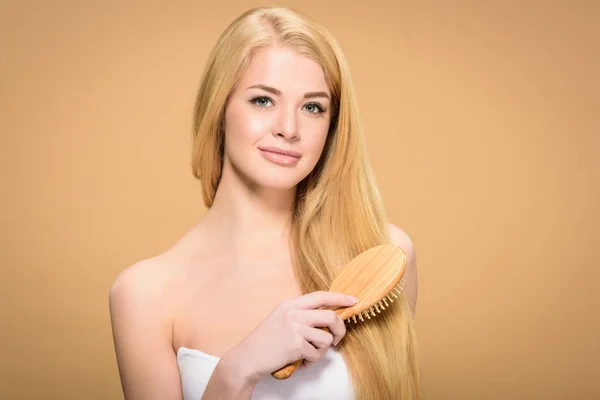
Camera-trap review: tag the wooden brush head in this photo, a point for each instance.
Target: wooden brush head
(371, 277)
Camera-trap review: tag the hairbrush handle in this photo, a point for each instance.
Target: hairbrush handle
(288, 370)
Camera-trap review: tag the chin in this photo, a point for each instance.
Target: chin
(267, 176)
(277, 183)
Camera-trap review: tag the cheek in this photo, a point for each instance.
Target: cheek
(244, 126)
(316, 142)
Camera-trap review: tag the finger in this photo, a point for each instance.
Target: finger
(321, 343)
(324, 318)
(310, 354)
(319, 338)
(308, 364)
(318, 299)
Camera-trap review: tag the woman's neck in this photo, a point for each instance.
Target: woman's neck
(252, 220)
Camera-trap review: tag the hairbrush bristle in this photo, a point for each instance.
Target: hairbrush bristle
(381, 305)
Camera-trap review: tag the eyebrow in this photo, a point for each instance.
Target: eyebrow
(278, 92)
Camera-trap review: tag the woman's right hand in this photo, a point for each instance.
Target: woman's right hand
(289, 333)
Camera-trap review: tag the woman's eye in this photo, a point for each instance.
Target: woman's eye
(261, 101)
(315, 108)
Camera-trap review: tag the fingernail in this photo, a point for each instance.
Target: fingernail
(353, 299)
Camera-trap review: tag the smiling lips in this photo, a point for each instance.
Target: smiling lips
(280, 156)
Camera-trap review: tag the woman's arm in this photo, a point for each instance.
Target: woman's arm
(142, 335)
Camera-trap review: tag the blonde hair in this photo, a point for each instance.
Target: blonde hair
(338, 211)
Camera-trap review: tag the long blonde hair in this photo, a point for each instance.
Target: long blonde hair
(338, 211)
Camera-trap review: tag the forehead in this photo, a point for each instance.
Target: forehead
(286, 70)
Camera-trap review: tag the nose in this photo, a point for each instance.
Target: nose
(286, 125)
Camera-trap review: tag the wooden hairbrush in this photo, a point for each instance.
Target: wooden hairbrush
(374, 277)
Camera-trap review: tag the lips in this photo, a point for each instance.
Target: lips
(284, 152)
(276, 155)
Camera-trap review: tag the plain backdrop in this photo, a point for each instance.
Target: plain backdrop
(482, 121)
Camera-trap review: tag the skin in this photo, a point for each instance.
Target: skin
(196, 293)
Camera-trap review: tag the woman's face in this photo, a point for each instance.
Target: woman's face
(277, 119)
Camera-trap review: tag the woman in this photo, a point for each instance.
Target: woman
(291, 199)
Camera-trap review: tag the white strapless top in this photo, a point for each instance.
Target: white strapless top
(327, 379)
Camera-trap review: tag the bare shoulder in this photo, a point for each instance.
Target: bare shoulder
(400, 238)
(152, 280)
(140, 310)
(154, 287)
(140, 297)
(139, 283)
(146, 292)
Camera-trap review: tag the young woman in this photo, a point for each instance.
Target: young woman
(291, 199)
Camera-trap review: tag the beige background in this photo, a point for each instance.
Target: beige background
(483, 127)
